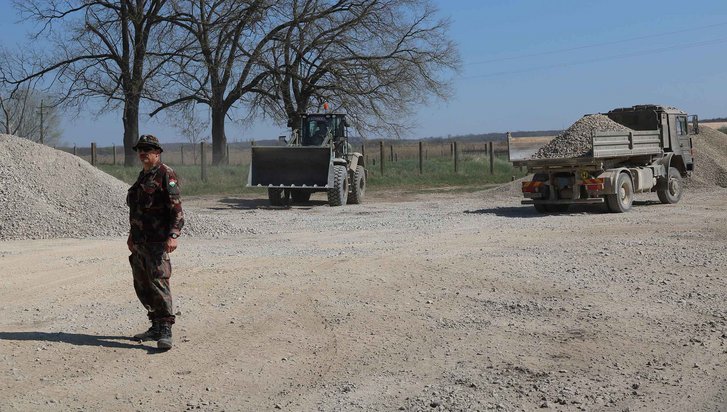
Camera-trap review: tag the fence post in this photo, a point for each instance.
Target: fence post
(74, 150)
(227, 148)
(363, 150)
(492, 158)
(456, 156)
(202, 155)
(93, 154)
(181, 151)
(381, 163)
(421, 160)
(113, 147)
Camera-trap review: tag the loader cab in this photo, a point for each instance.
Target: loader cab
(322, 129)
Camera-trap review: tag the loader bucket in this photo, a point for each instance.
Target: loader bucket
(289, 167)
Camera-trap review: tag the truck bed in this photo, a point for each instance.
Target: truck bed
(606, 146)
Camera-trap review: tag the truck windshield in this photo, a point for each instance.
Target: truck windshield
(314, 130)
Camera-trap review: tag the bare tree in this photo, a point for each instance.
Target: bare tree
(100, 49)
(192, 127)
(221, 66)
(23, 114)
(225, 67)
(375, 60)
(25, 111)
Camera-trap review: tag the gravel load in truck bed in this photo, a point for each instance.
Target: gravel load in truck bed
(576, 140)
(46, 193)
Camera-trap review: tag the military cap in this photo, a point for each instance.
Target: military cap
(148, 140)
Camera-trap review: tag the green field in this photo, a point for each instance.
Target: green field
(473, 174)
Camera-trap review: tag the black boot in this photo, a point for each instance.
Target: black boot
(165, 336)
(151, 334)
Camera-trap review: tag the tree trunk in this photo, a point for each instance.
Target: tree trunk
(131, 132)
(219, 139)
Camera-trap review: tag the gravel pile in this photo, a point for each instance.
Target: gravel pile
(710, 159)
(576, 140)
(46, 193)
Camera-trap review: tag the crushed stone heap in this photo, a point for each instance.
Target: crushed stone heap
(710, 159)
(46, 193)
(576, 140)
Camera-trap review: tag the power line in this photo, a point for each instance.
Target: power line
(557, 51)
(615, 57)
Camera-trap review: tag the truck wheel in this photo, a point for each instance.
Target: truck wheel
(674, 188)
(358, 186)
(276, 197)
(300, 196)
(338, 194)
(624, 197)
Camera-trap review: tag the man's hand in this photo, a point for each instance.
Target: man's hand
(130, 244)
(171, 245)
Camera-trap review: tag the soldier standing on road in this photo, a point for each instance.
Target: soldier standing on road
(156, 217)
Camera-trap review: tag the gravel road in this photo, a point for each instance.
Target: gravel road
(444, 301)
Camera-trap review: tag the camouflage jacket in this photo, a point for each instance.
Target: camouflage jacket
(155, 205)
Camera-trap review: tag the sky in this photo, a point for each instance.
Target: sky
(527, 65)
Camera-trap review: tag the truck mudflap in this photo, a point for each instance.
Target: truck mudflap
(290, 167)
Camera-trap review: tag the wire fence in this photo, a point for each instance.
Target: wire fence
(377, 154)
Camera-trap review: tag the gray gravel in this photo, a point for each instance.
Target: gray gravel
(47, 193)
(576, 140)
(710, 159)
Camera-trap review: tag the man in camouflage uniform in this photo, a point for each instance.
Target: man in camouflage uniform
(156, 217)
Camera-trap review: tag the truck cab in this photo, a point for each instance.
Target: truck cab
(673, 125)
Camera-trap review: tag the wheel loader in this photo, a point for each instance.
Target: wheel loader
(316, 158)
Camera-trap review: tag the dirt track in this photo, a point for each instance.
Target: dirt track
(440, 302)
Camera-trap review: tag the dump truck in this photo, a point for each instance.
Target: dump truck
(655, 155)
(317, 157)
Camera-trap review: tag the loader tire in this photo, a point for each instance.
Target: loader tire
(674, 188)
(624, 197)
(358, 186)
(300, 196)
(338, 194)
(276, 197)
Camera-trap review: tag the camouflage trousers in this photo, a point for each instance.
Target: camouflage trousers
(152, 269)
